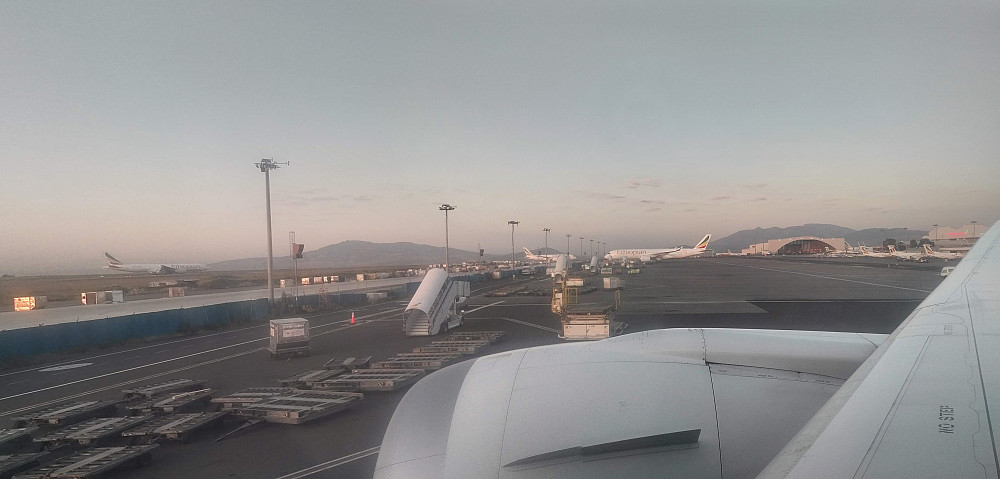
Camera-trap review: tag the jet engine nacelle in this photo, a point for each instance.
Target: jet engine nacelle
(665, 403)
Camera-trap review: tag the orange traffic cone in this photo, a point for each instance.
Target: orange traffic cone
(352, 317)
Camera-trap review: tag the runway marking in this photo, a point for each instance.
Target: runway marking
(533, 325)
(827, 277)
(331, 464)
(64, 366)
(483, 307)
(149, 365)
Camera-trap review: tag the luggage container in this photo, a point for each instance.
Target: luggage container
(90, 298)
(574, 282)
(28, 303)
(360, 277)
(177, 292)
(289, 336)
(612, 282)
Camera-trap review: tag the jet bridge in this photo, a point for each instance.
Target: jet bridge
(435, 306)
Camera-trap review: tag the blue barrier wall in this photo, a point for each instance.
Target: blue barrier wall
(69, 336)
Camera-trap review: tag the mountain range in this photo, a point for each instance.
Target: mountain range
(358, 254)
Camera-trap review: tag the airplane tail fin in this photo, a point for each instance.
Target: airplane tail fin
(527, 252)
(112, 259)
(892, 249)
(927, 248)
(703, 244)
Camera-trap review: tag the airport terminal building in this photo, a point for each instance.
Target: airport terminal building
(797, 245)
(956, 240)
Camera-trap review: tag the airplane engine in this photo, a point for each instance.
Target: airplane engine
(665, 403)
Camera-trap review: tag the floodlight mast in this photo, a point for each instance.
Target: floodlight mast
(546, 230)
(512, 224)
(266, 165)
(447, 260)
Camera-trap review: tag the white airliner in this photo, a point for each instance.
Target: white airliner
(154, 268)
(545, 258)
(940, 254)
(867, 252)
(726, 403)
(658, 254)
(914, 256)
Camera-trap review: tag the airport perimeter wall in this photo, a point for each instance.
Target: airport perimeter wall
(54, 338)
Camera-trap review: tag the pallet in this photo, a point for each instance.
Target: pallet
(91, 462)
(371, 380)
(67, 413)
(298, 407)
(172, 403)
(91, 431)
(174, 386)
(491, 336)
(250, 396)
(461, 347)
(176, 426)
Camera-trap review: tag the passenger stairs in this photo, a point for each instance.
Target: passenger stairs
(435, 306)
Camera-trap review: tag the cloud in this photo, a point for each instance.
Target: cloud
(603, 196)
(643, 183)
(656, 208)
(691, 210)
(720, 198)
(653, 202)
(311, 197)
(755, 186)
(759, 198)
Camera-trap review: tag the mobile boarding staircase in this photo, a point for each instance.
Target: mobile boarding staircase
(435, 306)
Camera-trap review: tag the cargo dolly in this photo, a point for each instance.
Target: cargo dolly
(298, 407)
(250, 396)
(14, 439)
(307, 378)
(90, 431)
(175, 386)
(427, 363)
(491, 336)
(67, 413)
(444, 356)
(178, 427)
(11, 464)
(462, 347)
(171, 403)
(365, 380)
(91, 462)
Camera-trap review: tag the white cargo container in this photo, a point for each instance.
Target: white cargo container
(305, 281)
(177, 292)
(574, 282)
(288, 336)
(361, 276)
(612, 282)
(91, 297)
(28, 303)
(114, 296)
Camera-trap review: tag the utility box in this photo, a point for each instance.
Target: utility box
(28, 303)
(289, 336)
(612, 282)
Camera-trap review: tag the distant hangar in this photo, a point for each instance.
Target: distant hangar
(797, 245)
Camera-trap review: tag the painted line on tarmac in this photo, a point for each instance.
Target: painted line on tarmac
(533, 325)
(828, 277)
(331, 464)
(483, 307)
(151, 376)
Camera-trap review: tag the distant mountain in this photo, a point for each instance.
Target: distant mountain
(355, 254)
(871, 236)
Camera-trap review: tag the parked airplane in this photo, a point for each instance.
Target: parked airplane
(547, 258)
(726, 403)
(941, 254)
(155, 268)
(915, 256)
(658, 254)
(867, 252)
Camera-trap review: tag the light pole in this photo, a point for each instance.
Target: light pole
(447, 260)
(581, 247)
(592, 247)
(974, 223)
(935, 234)
(266, 165)
(546, 230)
(567, 244)
(512, 224)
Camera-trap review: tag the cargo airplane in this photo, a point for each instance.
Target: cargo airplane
(658, 254)
(726, 403)
(154, 268)
(547, 258)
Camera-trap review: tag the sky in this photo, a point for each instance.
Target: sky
(133, 127)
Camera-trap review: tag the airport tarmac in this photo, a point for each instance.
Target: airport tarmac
(703, 292)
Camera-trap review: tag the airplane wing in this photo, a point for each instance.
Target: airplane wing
(924, 404)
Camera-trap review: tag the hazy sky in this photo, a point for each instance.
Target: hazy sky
(133, 126)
